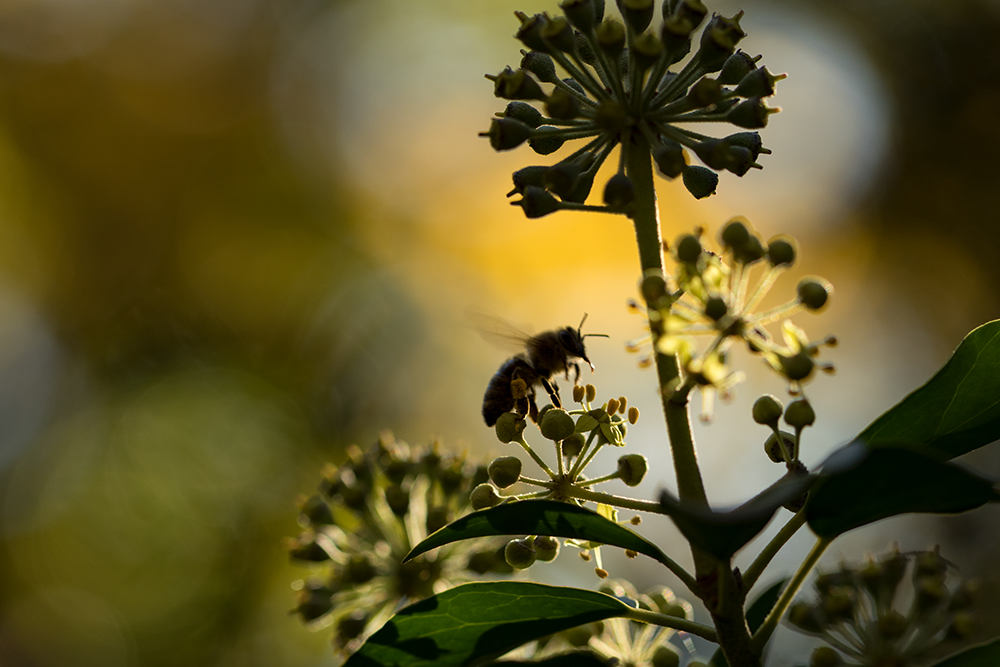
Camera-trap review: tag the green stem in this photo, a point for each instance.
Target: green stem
(766, 629)
(675, 622)
(536, 457)
(762, 560)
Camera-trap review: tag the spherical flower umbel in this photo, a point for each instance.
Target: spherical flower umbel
(717, 296)
(626, 79)
(368, 514)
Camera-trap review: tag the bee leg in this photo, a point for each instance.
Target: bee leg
(532, 407)
(553, 392)
(576, 374)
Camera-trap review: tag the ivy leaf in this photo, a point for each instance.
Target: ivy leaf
(722, 534)
(984, 655)
(859, 485)
(573, 659)
(540, 517)
(480, 621)
(957, 410)
(756, 613)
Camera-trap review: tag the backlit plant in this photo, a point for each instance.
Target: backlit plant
(635, 84)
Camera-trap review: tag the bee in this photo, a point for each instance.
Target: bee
(546, 355)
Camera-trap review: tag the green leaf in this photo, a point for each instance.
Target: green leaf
(984, 655)
(722, 534)
(573, 659)
(859, 485)
(957, 410)
(480, 621)
(756, 613)
(540, 517)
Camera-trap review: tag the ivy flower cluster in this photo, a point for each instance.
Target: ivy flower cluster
(615, 86)
(717, 297)
(855, 611)
(576, 436)
(368, 514)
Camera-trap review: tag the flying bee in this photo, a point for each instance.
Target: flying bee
(546, 355)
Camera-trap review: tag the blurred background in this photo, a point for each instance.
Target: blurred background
(238, 235)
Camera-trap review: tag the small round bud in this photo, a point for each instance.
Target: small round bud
(781, 251)
(767, 410)
(749, 140)
(544, 144)
(700, 181)
(814, 292)
(797, 367)
(611, 37)
(527, 176)
(632, 469)
(580, 13)
(316, 512)
(653, 288)
(506, 133)
(719, 40)
(688, 248)
(773, 448)
(561, 178)
(666, 656)
(716, 308)
(633, 415)
(638, 13)
(536, 202)
(578, 393)
(591, 393)
(313, 601)
(573, 445)
(505, 471)
(546, 548)
(561, 105)
(305, 548)
(557, 424)
(612, 406)
(734, 234)
(758, 83)
(519, 554)
(523, 112)
(517, 85)
(736, 67)
(619, 192)
(892, 625)
(509, 427)
(751, 251)
(800, 414)
(484, 496)
(541, 65)
(669, 158)
(646, 49)
(751, 114)
(825, 656)
(530, 31)
(559, 33)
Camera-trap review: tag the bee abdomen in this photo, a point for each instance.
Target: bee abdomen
(498, 398)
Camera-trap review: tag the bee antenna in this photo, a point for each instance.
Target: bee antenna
(596, 335)
(580, 328)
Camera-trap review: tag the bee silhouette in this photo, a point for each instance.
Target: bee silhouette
(545, 355)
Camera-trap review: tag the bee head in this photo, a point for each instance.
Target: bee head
(572, 341)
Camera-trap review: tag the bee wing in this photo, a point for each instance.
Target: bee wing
(498, 332)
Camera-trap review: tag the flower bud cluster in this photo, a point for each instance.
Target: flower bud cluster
(855, 610)
(717, 296)
(609, 80)
(368, 514)
(782, 446)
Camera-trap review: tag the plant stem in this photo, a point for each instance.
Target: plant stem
(766, 629)
(675, 622)
(756, 568)
(646, 218)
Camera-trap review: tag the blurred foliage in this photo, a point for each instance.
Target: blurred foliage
(193, 321)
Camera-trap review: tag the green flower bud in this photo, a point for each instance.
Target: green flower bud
(699, 181)
(653, 288)
(739, 160)
(666, 656)
(306, 549)
(734, 234)
(313, 601)
(505, 471)
(892, 625)
(546, 548)
(584, 50)
(580, 13)
(517, 85)
(359, 570)
(797, 367)
(546, 143)
(528, 176)
(484, 496)
(767, 410)
(773, 448)
(561, 178)
(749, 140)
(814, 293)
(506, 133)
(736, 67)
(351, 626)
(751, 114)
(536, 203)
(611, 37)
(541, 65)
(530, 32)
(637, 13)
(519, 554)
(632, 469)
(559, 33)
(557, 424)
(561, 105)
(581, 188)
(758, 83)
(800, 414)
(688, 248)
(781, 251)
(619, 192)
(509, 427)
(523, 112)
(646, 49)
(573, 445)
(751, 251)
(716, 308)
(824, 656)
(669, 158)
(316, 512)
(398, 499)
(703, 93)
(719, 40)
